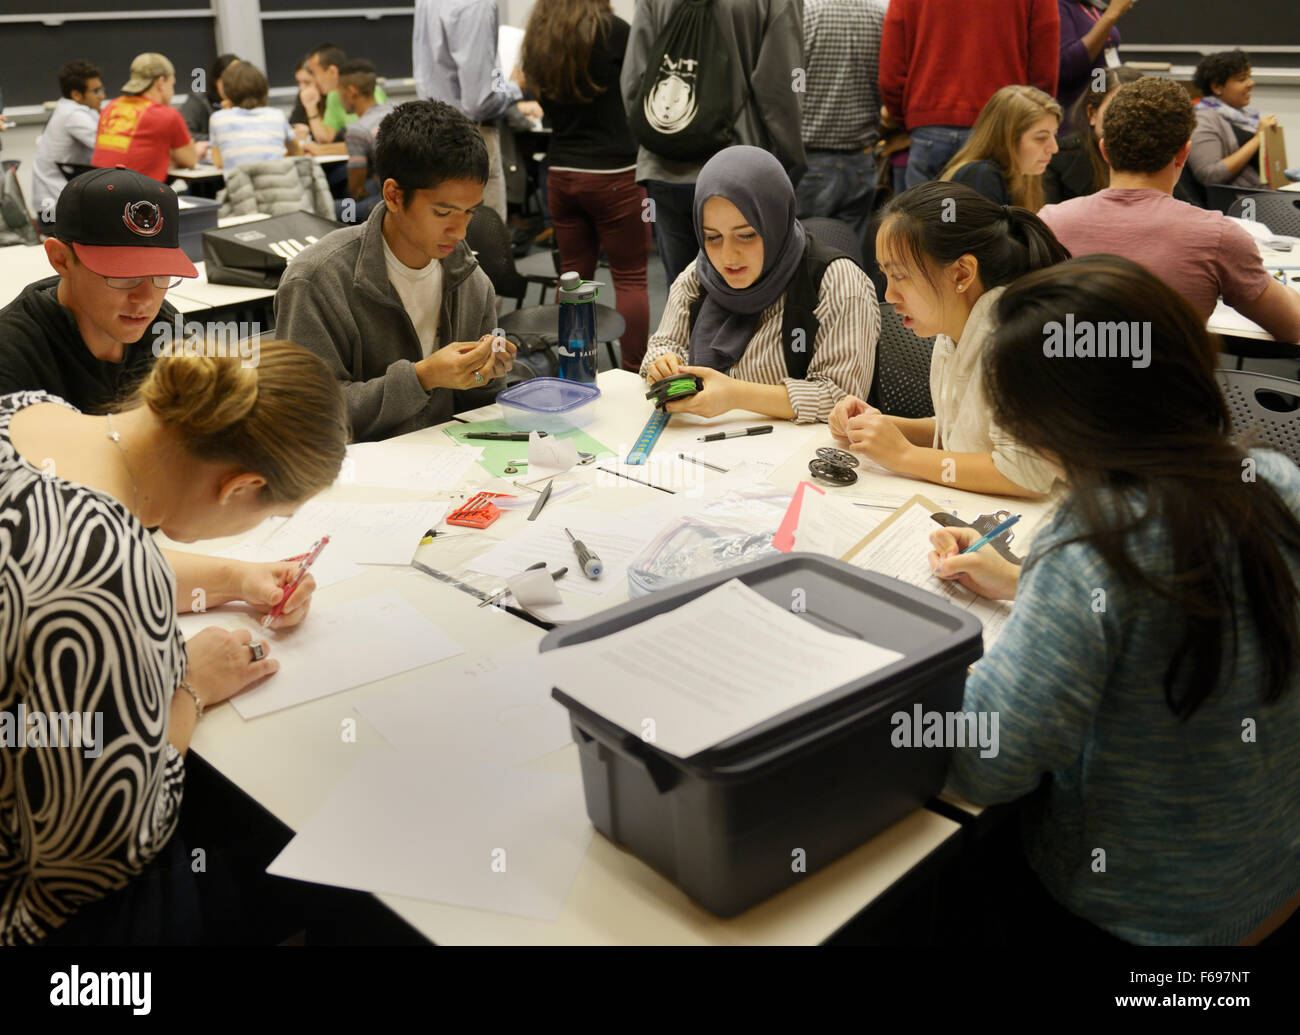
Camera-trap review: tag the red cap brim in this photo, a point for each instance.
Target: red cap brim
(135, 262)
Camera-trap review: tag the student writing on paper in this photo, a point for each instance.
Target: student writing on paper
(1009, 148)
(945, 278)
(1150, 670)
(207, 448)
(1229, 132)
(772, 320)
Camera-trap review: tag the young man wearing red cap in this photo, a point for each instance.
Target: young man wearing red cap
(85, 335)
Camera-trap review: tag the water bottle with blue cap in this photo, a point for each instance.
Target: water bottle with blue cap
(577, 345)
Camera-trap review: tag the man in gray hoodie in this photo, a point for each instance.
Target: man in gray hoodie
(764, 44)
(397, 306)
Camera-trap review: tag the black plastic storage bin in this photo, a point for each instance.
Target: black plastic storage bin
(727, 825)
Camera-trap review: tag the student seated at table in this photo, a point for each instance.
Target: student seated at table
(69, 136)
(1199, 253)
(326, 115)
(1229, 132)
(140, 129)
(200, 104)
(945, 276)
(357, 91)
(1148, 679)
(1010, 146)
(249, 130)
(208, 448)
(770, 319)
(397, 306)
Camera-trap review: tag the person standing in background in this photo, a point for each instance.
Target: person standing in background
(1089, 43)
(572, 56)
(69, 136)
(940, 62)
(841, 110)
(764, 49)
(454, 58)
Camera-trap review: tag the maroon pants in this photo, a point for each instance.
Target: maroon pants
(591, 210)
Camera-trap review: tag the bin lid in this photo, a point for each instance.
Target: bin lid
(927, 630)
(549, 395)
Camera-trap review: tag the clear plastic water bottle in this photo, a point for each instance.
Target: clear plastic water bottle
(577, 345)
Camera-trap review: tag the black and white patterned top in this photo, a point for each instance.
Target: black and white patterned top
(88, 623)
(841, 102)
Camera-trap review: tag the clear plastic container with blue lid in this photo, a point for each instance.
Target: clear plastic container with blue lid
(551, 404)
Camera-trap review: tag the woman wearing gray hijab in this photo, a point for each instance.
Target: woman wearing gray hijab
(769, 318)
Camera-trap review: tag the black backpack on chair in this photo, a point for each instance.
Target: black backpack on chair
(683, 108)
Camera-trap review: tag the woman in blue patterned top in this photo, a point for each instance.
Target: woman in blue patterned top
(1148, 677)
(208, 448)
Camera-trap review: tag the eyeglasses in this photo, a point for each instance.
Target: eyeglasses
(131, 283)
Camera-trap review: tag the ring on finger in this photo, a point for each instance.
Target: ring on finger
(257, 649)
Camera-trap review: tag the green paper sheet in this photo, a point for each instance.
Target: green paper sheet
(496, 455)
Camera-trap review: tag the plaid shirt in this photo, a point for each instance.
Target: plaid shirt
(841, 108)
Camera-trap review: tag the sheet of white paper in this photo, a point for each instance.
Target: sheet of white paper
(190, 624)
(508, 841)
(549, 455)
(538, 594)
(407, 465)
(494, 710)
(735, 679)
(901, 551)
(364, 533)
(775, 447)
(832, 526)
(608, 535)
(510, 41)
(330, 567)
(342, 646)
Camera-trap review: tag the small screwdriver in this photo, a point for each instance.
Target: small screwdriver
(591, 566)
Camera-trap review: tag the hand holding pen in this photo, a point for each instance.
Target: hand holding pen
(984, 572)
(299, 580)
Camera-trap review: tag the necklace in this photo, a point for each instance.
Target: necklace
(116, 439)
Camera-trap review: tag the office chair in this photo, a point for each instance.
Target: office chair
(1266, 405)
(901, 383)
(1279, 210)
(836, 233)
(489, 239)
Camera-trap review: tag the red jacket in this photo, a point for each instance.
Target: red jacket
(941, 60)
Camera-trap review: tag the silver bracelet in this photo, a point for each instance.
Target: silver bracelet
(198, 705)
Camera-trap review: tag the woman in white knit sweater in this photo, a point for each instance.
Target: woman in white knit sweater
(948, 253)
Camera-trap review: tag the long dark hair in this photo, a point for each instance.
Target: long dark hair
(556, 53)
(1159, 429)
(1092, 98)
(215, 71)
(940, 222)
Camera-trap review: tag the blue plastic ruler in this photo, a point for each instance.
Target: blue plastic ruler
(645, 441)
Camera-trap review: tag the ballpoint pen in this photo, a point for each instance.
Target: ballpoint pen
(296, 581)
(718, 436)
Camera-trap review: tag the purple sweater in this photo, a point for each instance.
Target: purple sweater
(1076, 19)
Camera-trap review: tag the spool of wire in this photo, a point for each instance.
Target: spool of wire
(834, 466)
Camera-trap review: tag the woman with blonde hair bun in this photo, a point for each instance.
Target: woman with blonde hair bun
(206, 448)
(1009, 149)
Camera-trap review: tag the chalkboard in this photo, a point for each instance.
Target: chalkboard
(31, 53)
(385, 41)
(1217, 24)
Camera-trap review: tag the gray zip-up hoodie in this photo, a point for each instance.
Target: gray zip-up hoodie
(336, 300)
(764, 39)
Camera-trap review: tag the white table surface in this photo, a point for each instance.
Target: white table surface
(290, 760)
(1226, 320)
(208, 171)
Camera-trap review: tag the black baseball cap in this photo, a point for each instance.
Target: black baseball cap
(122, 223)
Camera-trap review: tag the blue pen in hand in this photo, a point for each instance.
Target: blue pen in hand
(997, 531)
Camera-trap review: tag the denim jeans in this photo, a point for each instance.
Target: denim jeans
(674, 225)
(839, 185)
(932, 149)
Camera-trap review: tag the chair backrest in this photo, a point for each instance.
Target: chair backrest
(836, 233)
(1220, 196)
(1279, 210)
(901, 382)
(1266, 405)
(1193, 187)
(489, 239)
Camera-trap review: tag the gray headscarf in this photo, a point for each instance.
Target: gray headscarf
(755, 182)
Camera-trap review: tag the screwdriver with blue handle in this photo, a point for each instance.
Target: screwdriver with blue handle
(591, 566)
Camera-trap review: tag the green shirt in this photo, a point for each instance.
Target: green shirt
(336, 118)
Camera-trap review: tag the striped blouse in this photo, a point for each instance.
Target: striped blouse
(844, 350)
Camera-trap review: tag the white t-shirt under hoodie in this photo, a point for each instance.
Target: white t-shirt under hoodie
(421, 295)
